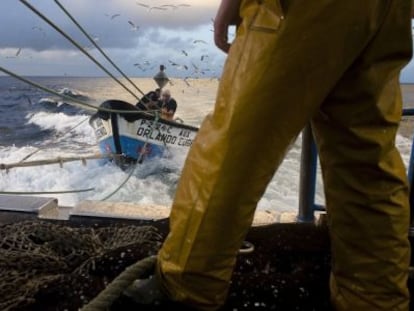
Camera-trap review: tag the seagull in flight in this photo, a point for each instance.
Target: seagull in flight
(133, 26)
(115, 15)
(184, 52)
(199, 41)
(150, 8)
(15, 54)
(157, 8)
(186, 81)
(178, 66)
(144, 5)
(174, 7)
(39, 29)
(139, 66)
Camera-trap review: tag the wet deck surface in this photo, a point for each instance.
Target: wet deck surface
(288, 270)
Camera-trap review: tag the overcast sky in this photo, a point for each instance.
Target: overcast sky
(138, 35)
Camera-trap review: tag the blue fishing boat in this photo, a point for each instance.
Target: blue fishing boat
(136, 135)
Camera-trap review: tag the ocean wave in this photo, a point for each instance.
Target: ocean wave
(73, 94)
(61, 122)
(54, 105)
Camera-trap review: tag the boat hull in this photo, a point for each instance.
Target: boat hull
(140, 135)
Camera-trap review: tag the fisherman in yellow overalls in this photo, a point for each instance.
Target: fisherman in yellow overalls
(333, 63)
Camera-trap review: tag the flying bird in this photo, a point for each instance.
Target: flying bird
(139, 66)
(143, 4)
(178, 66)
(156, 8)
(150, 8)
(39, 29)
(174, 7)
(195, 67)
(15, 54)
(186, 82)
(202, 57)
(133, 26)
(199, 41)
(184, 52)
(115, 15)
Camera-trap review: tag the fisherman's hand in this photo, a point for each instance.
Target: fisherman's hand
(227, 15)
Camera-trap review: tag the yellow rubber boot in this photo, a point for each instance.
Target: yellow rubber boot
(284, 63)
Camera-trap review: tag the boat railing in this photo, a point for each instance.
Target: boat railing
(308, 175)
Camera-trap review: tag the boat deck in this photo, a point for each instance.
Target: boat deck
(288, 269)
(30, 207)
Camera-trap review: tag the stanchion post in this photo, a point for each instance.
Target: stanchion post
(308, 169)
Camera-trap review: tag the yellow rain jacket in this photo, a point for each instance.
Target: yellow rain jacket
(336, 64)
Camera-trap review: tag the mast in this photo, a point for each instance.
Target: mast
(161, 78)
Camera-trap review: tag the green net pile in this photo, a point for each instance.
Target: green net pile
(65, 266)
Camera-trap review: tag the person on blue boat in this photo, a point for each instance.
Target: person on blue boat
(168, 105)
(335, 64)
(150, 100)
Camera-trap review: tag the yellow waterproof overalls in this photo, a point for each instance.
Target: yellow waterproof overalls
(335, 63)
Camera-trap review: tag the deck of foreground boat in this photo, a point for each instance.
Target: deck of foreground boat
(288, 269)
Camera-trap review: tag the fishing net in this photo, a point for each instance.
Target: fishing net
(70, 264)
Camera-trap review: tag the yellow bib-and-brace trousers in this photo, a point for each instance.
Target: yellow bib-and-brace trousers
(333, 63)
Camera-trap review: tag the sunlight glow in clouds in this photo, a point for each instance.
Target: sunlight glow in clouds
(159, 36)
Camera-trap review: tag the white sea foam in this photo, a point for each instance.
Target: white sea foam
(61, 122)
(152, 182)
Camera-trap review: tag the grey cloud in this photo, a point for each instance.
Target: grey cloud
(161, 37)
(22, 28)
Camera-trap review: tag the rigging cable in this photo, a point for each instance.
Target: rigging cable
(122, 184)
(58, 138)
(97, 46)
(74, 100)
(33, 9)
(58, 160)
(45, 192)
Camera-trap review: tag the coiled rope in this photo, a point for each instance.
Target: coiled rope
(114, 289)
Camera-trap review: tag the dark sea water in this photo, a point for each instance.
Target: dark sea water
(36, 125)
(42, 126)
(19, 101)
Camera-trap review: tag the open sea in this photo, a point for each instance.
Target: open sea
(38, 125)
